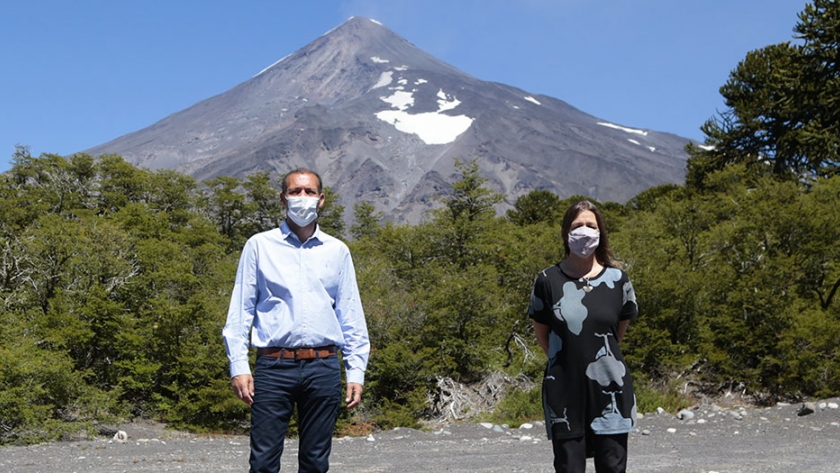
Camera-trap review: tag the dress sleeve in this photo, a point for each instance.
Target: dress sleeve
(629, 309)
(539, 308)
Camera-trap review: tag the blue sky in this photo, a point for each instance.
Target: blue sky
(75, 74)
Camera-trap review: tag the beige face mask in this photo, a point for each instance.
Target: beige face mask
(583, 241)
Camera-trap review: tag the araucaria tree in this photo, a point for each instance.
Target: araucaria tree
(783, 102)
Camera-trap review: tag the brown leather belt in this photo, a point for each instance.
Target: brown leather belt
(297, 353)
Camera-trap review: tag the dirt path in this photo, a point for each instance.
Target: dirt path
(714, 440)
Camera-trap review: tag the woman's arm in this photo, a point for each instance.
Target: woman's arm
(622, 329)
(541, 332)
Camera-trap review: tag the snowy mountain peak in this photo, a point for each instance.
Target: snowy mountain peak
(383, 121)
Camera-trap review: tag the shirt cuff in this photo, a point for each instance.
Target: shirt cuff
(356, 376)
(239, 367)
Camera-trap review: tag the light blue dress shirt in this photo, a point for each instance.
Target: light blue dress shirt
(296, 295)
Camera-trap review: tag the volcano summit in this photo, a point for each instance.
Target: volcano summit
(383, 121)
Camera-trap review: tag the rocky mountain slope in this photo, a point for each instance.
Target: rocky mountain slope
(383, 121)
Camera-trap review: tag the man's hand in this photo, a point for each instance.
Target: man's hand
(354, 395)
(243, 387)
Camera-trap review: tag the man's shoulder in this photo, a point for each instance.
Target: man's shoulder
(267, 235)
(328, 239)
(331, 247)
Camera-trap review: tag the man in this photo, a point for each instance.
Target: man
(296, 286)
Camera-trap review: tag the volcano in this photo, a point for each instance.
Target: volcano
(384, 122)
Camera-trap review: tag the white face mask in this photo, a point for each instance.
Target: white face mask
(583, 241)
(302, 210)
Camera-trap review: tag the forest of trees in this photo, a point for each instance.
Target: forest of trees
(114, 280)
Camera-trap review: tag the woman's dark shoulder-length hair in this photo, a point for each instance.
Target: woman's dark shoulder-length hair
(604, 253)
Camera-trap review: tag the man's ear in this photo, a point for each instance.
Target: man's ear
(283, 200)
(321, 200)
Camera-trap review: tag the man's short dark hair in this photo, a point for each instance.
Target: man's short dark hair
(285, 183)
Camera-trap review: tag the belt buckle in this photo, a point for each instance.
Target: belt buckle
(305, 353)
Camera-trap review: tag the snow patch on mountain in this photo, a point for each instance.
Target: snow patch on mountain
(431, 127)
(444, 103)
(275, 63)
(434, 128)
(651, 148)
(400, 99)
(384, 79)
(532, 99)
(622, 128)
(379, 60)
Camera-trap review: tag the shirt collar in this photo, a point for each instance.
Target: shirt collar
(288, 233)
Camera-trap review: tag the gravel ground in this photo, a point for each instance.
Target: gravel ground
(715, 439)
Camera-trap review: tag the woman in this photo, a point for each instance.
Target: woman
(581, 308)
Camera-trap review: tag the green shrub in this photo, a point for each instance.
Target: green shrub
(43, 398)
(649, 398)
(393, 414)
(518, 407)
